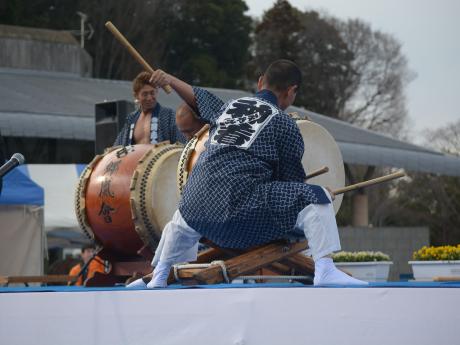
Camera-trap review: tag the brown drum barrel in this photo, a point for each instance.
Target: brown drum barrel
(118, 190)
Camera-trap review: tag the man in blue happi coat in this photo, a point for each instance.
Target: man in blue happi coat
(151, 123)
(248, 187)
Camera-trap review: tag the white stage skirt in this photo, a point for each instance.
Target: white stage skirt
(238, 316)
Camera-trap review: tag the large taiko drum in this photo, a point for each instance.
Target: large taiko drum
(320, 150)
(126, 196)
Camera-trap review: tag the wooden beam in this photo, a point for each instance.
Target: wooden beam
(279, 268)
(212, 254)
(5, 280)
(447, 279)
(302, 264)
(250, 262)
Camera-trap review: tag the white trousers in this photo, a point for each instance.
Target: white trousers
(179, 242)
(317, 221)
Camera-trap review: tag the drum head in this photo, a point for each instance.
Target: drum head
(322, 150)
(154, 197)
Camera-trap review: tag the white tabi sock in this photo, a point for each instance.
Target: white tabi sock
(326, 273)
(160, 276)
(137, 284)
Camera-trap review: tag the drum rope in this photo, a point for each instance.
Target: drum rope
(220, 263)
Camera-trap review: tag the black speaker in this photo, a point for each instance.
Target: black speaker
(110, 118)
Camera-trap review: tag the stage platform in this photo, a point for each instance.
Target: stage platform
(383, 313)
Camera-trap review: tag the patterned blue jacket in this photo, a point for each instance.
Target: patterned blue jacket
(166, 129)
(248, 187)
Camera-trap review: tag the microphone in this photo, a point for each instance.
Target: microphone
(15, 160)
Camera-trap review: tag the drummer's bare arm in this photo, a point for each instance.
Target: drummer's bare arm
(160, 78)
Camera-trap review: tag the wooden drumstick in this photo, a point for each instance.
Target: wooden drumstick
(318, 172)
(119, 36)
(380, 179)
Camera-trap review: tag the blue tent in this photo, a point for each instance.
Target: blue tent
(19, 189)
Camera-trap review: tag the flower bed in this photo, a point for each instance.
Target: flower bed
(433, 263)
(437, 253)
(363, 256)
(364, 265)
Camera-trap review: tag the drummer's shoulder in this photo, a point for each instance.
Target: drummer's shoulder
(207, 94)
(284, 118)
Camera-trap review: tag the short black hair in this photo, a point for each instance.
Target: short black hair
(282, 74)
(88, 246)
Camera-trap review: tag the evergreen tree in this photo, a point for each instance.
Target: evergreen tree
(208, 43)
(316, 47)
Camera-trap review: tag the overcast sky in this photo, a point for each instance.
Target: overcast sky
(429, 31)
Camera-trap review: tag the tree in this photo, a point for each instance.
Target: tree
(277, 35)
(208, 43)
(351, 72)
(145, 24)
(445, 139)
(48, 14)
(203, 42)
(110, 60)
(375, 98)
(316, 47)
(431, 199)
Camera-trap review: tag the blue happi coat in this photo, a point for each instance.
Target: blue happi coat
(248, 187)
(163, 127)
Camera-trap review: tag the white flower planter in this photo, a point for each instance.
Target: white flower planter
(371, 271)
(428, 270)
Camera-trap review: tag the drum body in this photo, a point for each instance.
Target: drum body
(320, 150)
(126, 196)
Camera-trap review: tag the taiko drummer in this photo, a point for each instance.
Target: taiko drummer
(247, 188)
